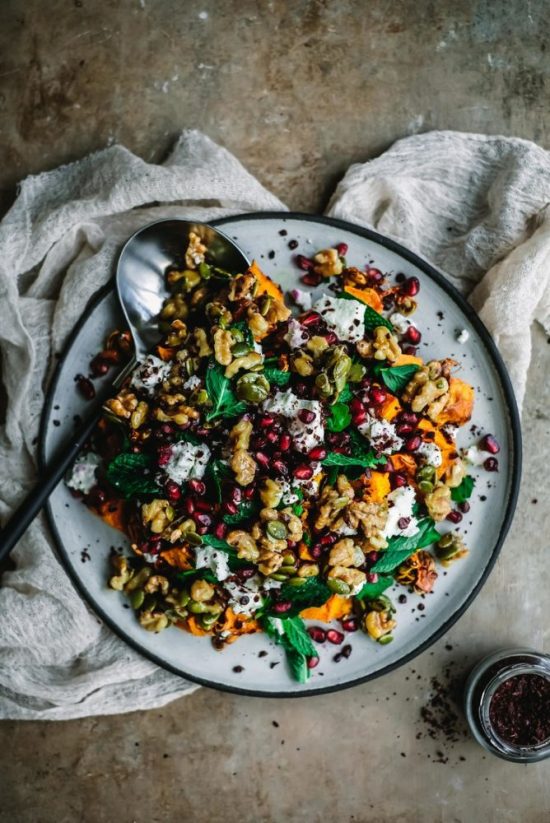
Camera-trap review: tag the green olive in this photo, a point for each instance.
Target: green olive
(276, 529)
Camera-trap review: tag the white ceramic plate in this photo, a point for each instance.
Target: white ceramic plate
(80, 535)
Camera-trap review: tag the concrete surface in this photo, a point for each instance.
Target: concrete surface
(298, 91)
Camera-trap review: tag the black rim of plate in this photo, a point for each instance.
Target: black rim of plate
(515, 470)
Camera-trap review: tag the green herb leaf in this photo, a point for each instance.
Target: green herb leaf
(217, 543)
(298, 637)
(243, 327)
(464, 490)
(130, 474)
(372, 590)
(216, 471)
(187, 437)
(396, 377)
(332, 476)
(345, 395)
(197, 574)
(298, 665)
(340, 417)
(295, 641)
(365, 461)
(276, 377)
(247, 509)
(401, 548)
(313, 592)
(221, 394)
(372, 318)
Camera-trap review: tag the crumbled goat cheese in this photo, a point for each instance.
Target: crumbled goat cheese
(463, 336)
(381, 434)
(346, 318)
(289, 496)
(192, 382)
(475, 456)
(206, 557)
(431, 453)
(296, 335)
(83, 473)
(187, 461)
(288, 405)
(150, 372)
(403, 499)
(302, 299)
(244, 598)
(399, 322)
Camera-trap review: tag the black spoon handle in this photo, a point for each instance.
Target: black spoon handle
(53, 473)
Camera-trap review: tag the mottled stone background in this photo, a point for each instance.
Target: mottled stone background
(298, 90)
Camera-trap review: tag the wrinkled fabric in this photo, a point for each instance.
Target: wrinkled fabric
(472, 205)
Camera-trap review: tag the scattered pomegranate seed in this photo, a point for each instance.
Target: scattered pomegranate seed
(397, 480)
(349, 624)
(246, 574)
(317, 634)
(200, 432)
(220, 530)
(409, 350)
(312, 318)
(412, 335)
(375, 275)
(491, 464)
(282, 606)
(249, 492)
(356, 405)
(334, 636)
(173, 491)
(99, 366)
(197, 486)
(331, 338)
(262, 459)
(359, 417)
(404, 428)
(311, 279)
(280, 467)
(300, 389)
(317, 453)
(229, 507)
(202, 519)
(378, 396)
(202, 530)
(272, 437)
(266, 421)
(489, 443)
(285, 442)
(372, 557)
(85, 387)
(403, 522)
(316, 551)
(464, 506)
(304, 262)
(372, 577)
(189, 505)
(202, 505)
(342, 249)
(312, 662)
(454, 517)
(302, 472)
(411, 286)
(164, 454)
(413, 443)
(306, 416)
(408, 417)
(328, 539)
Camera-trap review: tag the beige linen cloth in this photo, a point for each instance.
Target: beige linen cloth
(473, 205)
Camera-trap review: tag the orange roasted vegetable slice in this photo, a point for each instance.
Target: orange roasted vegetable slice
(267, 286)
(179, 557)
(377, 487)
(390, 408)
(368, 296)
(334, 608)
(459, 405)
(113, 512)
(448, 448)
(408, 360)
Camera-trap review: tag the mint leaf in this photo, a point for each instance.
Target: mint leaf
(464, 490)
(372, 590)
(373, 320)
(345, 395)
(247, 509)
(276, 377)
(217, 543)
(397, 377)
(295, 640)
(340, 417)
(216, 472)
(401, 548)
(298, 665)
(314, 592)
(298, 637)
(130, 474)
(244, 329)
(365, 461)
(221, 394)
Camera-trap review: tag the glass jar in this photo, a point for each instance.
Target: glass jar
(483, 681)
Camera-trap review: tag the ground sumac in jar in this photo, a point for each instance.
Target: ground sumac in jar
(520, 710)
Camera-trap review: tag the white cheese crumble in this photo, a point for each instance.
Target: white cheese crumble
(244, 598)
(475, 456)
(150, 372)
(431, 453)
(403, 499)
(187, 461)
(345, 531)
(83, 473)
(192, 382)
(296, 335)
(399, 322)
(289, 496)
(346, 318)
(463, 336)
(206, 557)
(302, 299)
(381, 434)
(304, 435)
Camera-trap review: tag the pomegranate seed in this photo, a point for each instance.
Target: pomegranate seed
(342, 249)
(202, 519)
(85, 387)
(312, 318)
(491, 464)
(285, 442)
(356, 405)
(316, 551)
(372, 557)
(303, 262)
(359, 417)
(464, 506)
(266, 421)
(311, 279)
(374, 274)
(413, 443)
(173, 491)
(411, 286)
(408, 417)
(403, 522)
(372, 577)
(312, 662)
(189, 505)
(412, 335)
(202, 530)
(245, 574)
(220, 530)
(272, 437)
(409, 350)
(202, 505)
(197, 486)
(229, 507)
(260, 442)
(378, 396)
(331, 338)
(302, 472)
(249, 492)
(454, 517)
(334, 636)
(200, 432)
(328, 539)
(318, 453)
(397, 480)
(96, 497)
(99, 366)
(317, 634)
(349, 624)
(489, 443)
(404, 428)
(262, 459)
(365, 383)
(280, 467)
(306, 416)
(282, 606)
(300, 389)
(235, 494)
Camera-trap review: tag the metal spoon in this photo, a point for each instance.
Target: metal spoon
(141, 289)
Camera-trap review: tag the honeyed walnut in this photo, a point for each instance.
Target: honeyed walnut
(244, 543)
(123, 404)
(383, 346)
(438, 502)
(346, 553)
(223, 340)
(327, 263)
(244, 467)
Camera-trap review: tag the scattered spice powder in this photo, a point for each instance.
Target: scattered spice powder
(520, 710)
